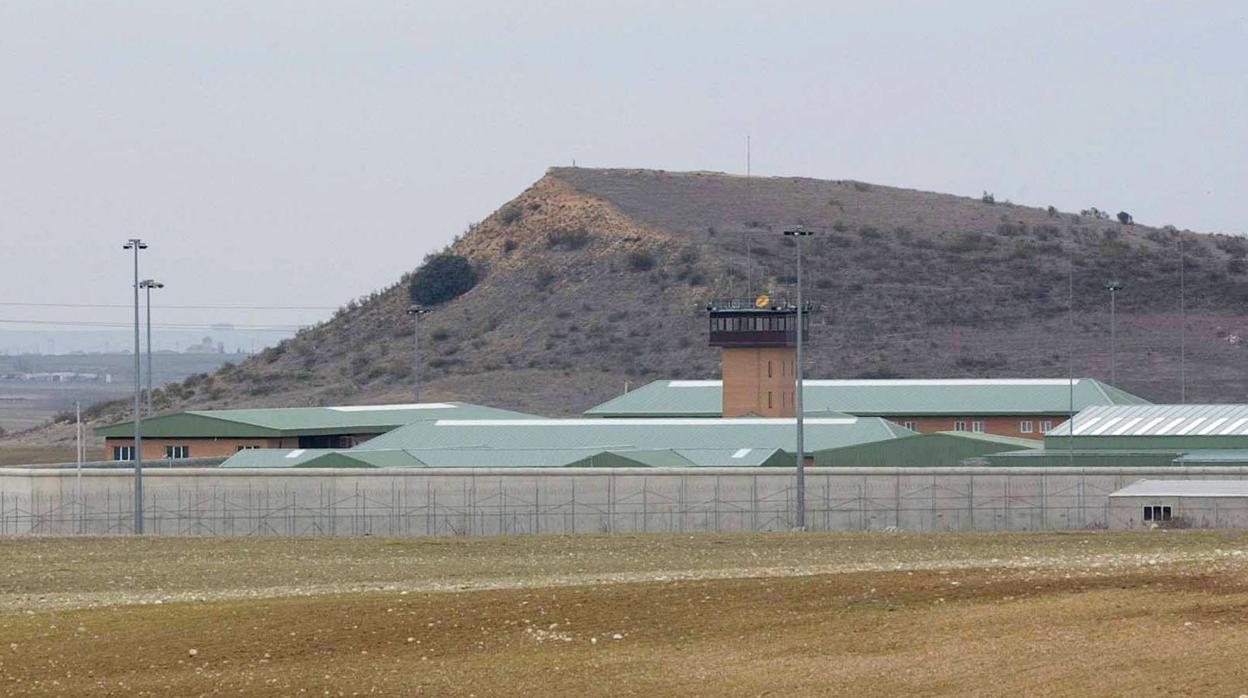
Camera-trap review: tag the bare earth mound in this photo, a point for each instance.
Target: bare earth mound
(593, 278)
(712, 615)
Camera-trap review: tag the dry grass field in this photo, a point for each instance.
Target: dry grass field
(707, 615)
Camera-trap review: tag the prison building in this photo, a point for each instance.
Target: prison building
(1018, 407)
(220, 433)
(1180, 504)
(1143, 435)
(535, 442)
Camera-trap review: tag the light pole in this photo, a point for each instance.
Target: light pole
(149, 284)
(136, 245)
(1113, 286)
(800, 460)
(416, 311)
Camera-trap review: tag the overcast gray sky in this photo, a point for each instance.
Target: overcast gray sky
(303, 153)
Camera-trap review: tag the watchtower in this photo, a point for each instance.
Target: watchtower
(758, 353)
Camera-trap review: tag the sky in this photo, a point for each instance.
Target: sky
(295, 155)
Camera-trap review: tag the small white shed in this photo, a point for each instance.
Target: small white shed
(1180, 504)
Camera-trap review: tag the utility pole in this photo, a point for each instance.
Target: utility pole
(78, 460)
(416, 311)
(1113, 286)
(1182, 322)
(136, 245)
(149, 284)
(800, 461)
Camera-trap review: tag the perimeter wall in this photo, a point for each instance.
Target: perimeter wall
(485, 501)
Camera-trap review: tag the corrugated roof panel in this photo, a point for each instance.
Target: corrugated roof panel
(1127, 425)
(1158, 420)
(1083, 425)
(1234, 426)
(1106, 425)
(1191, 425)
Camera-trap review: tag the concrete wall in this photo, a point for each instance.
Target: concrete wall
(207, 501)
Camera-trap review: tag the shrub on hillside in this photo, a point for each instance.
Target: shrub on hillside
(567, 239)
(511, 213)
(641, 260)
(442, 278)
(543, 279)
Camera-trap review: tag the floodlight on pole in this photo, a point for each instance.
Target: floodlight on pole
(136, 245)
(1113, 286)
(416, 310)
(800, 459)
(149, 284)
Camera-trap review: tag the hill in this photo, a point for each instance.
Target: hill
(593, 278)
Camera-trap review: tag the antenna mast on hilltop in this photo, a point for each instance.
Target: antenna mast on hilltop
(749, 207)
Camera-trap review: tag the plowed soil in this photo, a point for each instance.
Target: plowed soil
(709, 615)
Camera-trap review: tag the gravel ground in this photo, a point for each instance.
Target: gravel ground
(750, 614)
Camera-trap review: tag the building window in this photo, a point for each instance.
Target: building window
(177, 451)
(959, 425)
(911, 425)
(1046, 425)
(245, 448)
(768, 399)
(769, 369)
(1156, 513)
(977, 426)
(123, 452)
(1024, 427)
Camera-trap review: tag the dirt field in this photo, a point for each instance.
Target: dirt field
(23, 455)
(708, 615)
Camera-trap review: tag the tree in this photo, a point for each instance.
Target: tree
(442, 278)
(1125, 218)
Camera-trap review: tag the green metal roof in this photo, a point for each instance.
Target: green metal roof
(882, 398)
(1083, 458)
(470, 457)
(566, 442)
(1180, 427)
(298, 421)
(937, 449)
(636, 434)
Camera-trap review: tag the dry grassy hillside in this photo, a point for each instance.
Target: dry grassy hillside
(591, 278)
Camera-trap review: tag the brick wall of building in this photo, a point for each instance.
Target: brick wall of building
(1003, 426)
(154, 448)
(758, 381)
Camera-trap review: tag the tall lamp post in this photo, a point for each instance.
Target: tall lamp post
(800, 460)
(416, 310)
(136, 245)
(149, 284)
(1113, 286)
